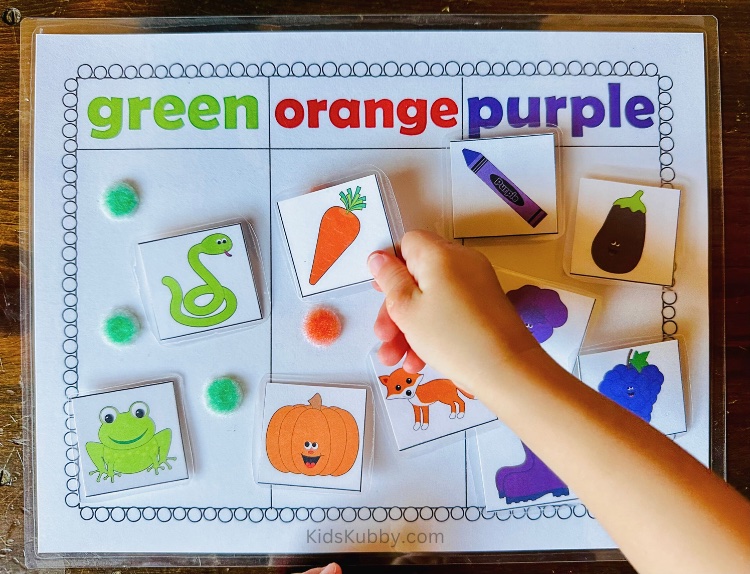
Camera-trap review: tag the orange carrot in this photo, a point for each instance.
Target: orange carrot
(339, 228)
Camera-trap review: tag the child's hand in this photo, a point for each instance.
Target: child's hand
(445, 306)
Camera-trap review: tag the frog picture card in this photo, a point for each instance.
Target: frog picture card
(645, 379)
(200, 281)
(425, 406)
(625, 231)
(558, 318)
(313, 436)
(330, 233)
(505, 186)
(129, 438)
(513, 475)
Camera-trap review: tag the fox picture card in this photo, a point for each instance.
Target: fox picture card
(129, 438)
(625, 231)
(505, 186)
(201, 281)
(557, 317)
(424, 407)
(513, 475)
(331, 232)
(645, 379)
(313, 436)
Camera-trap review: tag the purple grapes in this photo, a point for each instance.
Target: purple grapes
(541, 310)
(636, 391)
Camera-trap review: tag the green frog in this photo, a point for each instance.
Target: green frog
(129, 444)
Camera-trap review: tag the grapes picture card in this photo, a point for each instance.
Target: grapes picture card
(200, 281)
(519, 200)
(331, 232)
(129, 438)
(645, 379)
(558, 318)
(313, 436)
(625, 231)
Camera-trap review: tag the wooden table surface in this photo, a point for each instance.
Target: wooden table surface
(734, 45)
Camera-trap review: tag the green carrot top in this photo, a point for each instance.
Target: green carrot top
(353, 201)
(633, 203)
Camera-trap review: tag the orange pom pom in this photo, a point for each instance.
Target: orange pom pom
(321, 326)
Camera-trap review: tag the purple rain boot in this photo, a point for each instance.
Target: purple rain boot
(529, 481)
(505, 471)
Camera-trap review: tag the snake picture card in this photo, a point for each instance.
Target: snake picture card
(129, 438)
(557, 317)
(313, 436)
(625, 231)
(646, 379)
(331, 232)
(200, 281)
(520, 200)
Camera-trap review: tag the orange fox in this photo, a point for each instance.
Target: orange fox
(404, 385)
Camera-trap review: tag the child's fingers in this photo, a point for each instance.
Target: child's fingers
(385, 329)
(394, 279)
(392, 351)
(413, 363)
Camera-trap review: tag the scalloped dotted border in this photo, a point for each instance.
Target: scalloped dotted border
(69, 224)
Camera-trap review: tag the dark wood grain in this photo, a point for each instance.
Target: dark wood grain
(734, 23)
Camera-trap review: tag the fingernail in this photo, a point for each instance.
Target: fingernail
(332, 568)
(375, 262)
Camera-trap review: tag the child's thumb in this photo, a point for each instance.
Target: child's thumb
(394, 279)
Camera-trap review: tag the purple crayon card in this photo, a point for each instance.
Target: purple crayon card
(501, 184)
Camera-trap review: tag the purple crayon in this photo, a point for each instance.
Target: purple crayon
(501, 184)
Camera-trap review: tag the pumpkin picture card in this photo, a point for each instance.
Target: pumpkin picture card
(129, 438)
(557, 317)
(645, 379)
(331, 232)
(625, 231)
(313, 436)
(425, 407)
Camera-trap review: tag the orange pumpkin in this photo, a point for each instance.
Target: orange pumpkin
(312, 439)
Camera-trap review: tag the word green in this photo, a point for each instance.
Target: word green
(203, 315)
(167, 113)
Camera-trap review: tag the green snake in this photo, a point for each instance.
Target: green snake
(203, 315)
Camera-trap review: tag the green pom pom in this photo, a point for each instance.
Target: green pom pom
(121, 327)
(223, 396)
(120, 200)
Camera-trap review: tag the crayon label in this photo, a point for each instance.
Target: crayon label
(506, 188)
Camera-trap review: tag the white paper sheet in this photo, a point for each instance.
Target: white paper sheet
(197, 174)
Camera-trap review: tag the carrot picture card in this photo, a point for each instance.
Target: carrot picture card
(645, 379)
(313, 436)
(425, 406)
(330, 233)
(200, 281)
(129, 438)
(519, 200)
(625, 231)
(558, 318)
